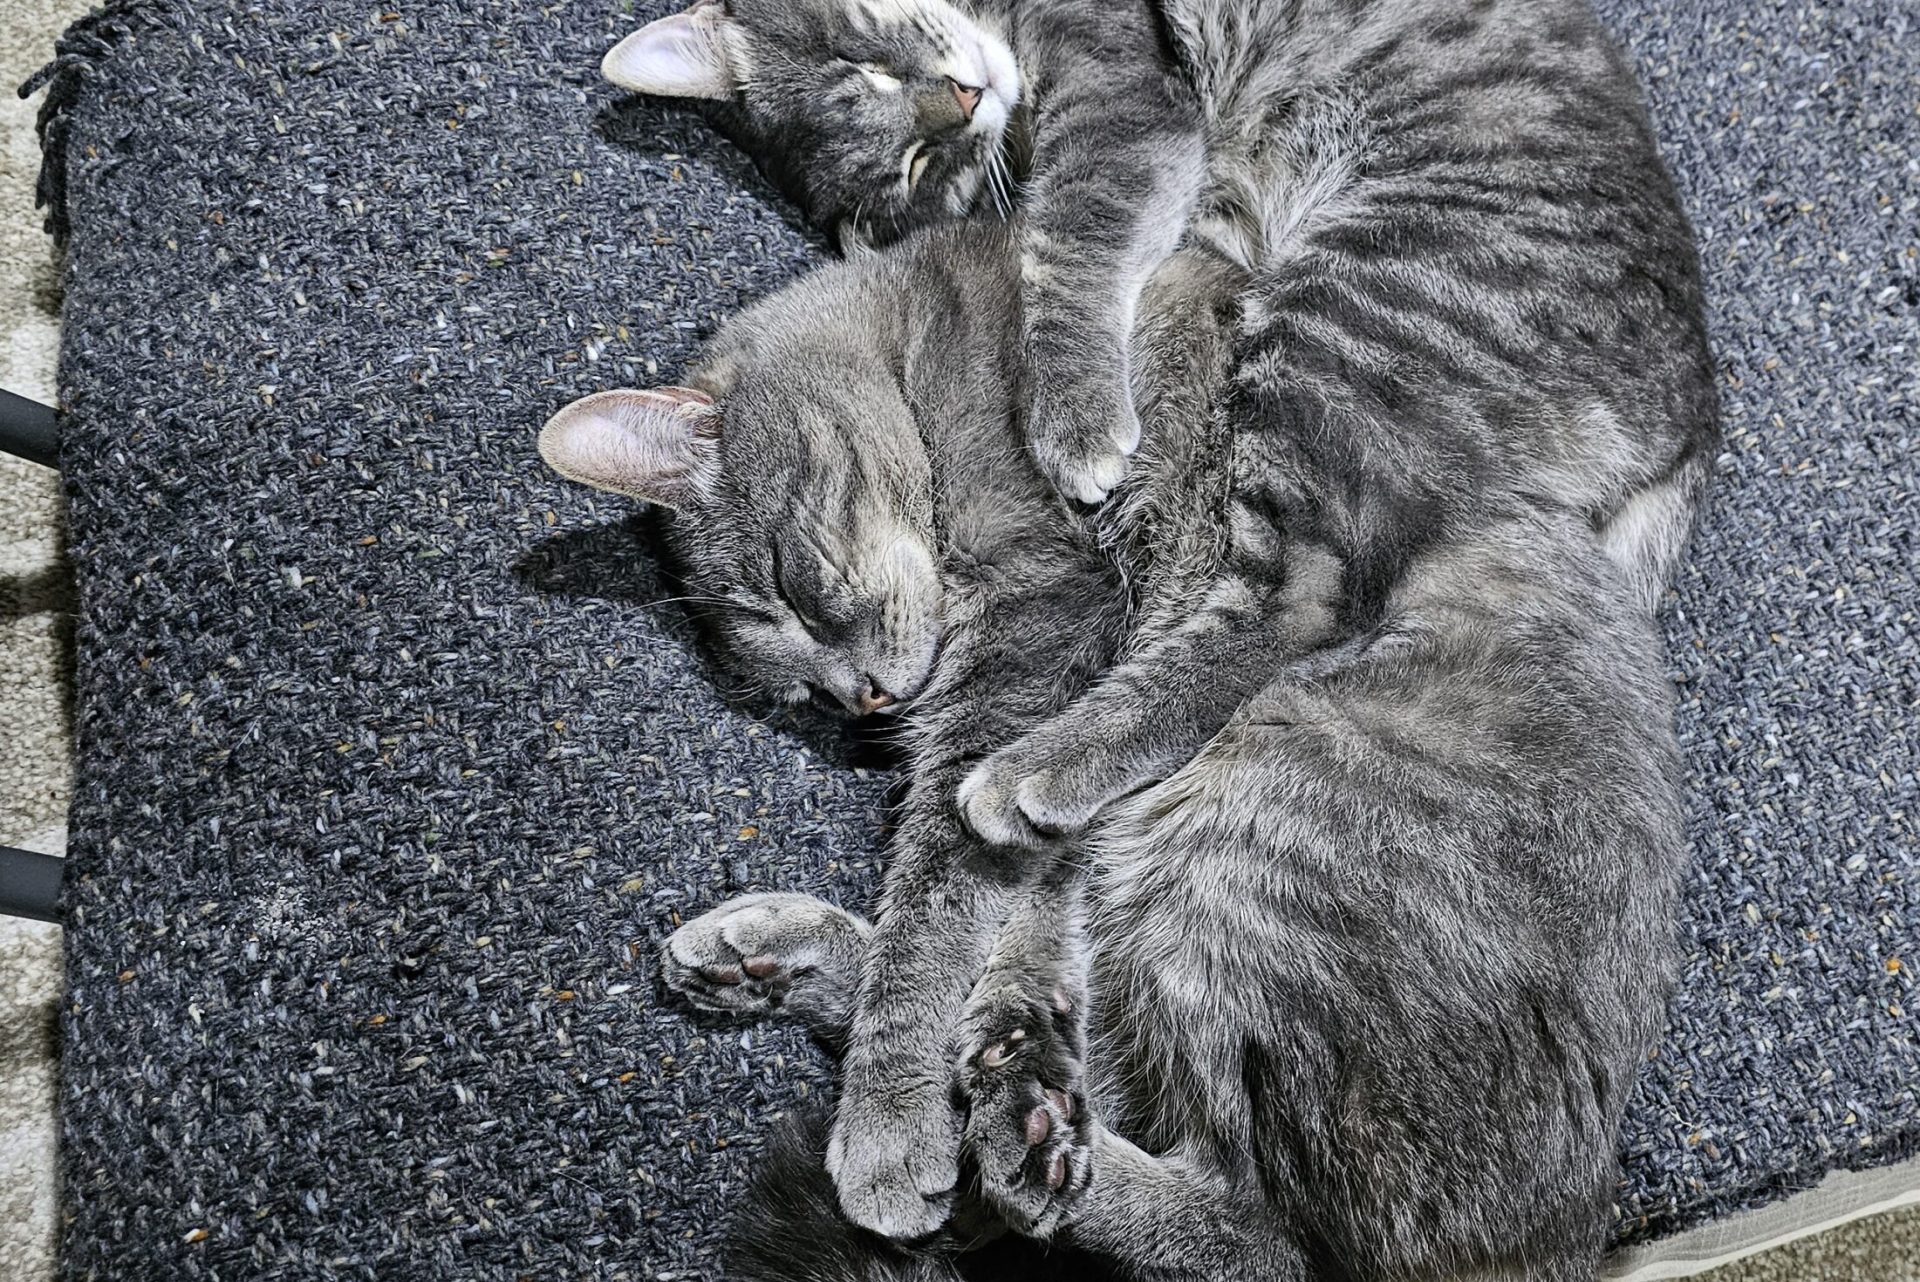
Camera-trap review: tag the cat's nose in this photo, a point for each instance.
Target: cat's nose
(968, 96)
(873, 697)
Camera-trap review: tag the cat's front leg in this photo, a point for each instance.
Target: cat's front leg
(1152, 713)
(1149, 715)
(1117, 170)
(1085, 256)
(762, 954)
(895, 1148)
(1080, 421)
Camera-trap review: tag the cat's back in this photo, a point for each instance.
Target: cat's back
(1462, 241)
(1506, 107)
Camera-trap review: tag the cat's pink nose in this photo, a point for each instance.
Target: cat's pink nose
(967, 96)
(873, 698)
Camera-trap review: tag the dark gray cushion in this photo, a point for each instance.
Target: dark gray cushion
(393, 770)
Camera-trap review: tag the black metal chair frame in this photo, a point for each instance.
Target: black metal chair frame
(29, 881)
(28, 429)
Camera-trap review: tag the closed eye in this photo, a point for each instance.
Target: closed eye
(810, 626)
(913, 163)
(757, 607)
(880, 75)
(806, 620)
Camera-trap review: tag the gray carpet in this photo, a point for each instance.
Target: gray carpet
(394, 765)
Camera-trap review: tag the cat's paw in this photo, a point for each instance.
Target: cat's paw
(894, 1156)
(1028, 1132)
(758, 953)
(1082, 433)
(1019, 796)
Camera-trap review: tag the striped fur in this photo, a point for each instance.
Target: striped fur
(1368, 765)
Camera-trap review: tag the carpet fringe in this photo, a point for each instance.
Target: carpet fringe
(77, 54)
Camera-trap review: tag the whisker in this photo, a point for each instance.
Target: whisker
(680, 600)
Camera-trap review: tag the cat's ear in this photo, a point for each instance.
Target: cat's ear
(661, 445)
(681, 56)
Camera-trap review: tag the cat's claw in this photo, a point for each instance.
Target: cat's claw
(1028, 1126)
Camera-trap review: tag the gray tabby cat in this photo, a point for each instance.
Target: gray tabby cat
(880, 115)
(1355, 989)
(1466, 305)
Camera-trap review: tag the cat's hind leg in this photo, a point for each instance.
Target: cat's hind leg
(1166, 1218)
(767, 953)
(1022, 1050)
(1048, 1168)
(1581, 1266)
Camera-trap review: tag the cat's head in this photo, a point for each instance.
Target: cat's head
(802, 513)
(877, 116)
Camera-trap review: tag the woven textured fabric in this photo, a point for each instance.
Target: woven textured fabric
(395, 763)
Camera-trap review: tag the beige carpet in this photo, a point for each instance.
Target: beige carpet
(1885, 1248)
(35, 656)
(35, 661)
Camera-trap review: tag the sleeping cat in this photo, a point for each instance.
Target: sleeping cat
(1357, 988)
(1465, 301)
(879, 115)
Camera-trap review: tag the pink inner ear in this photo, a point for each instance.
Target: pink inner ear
(682, 55)
(653, 445)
